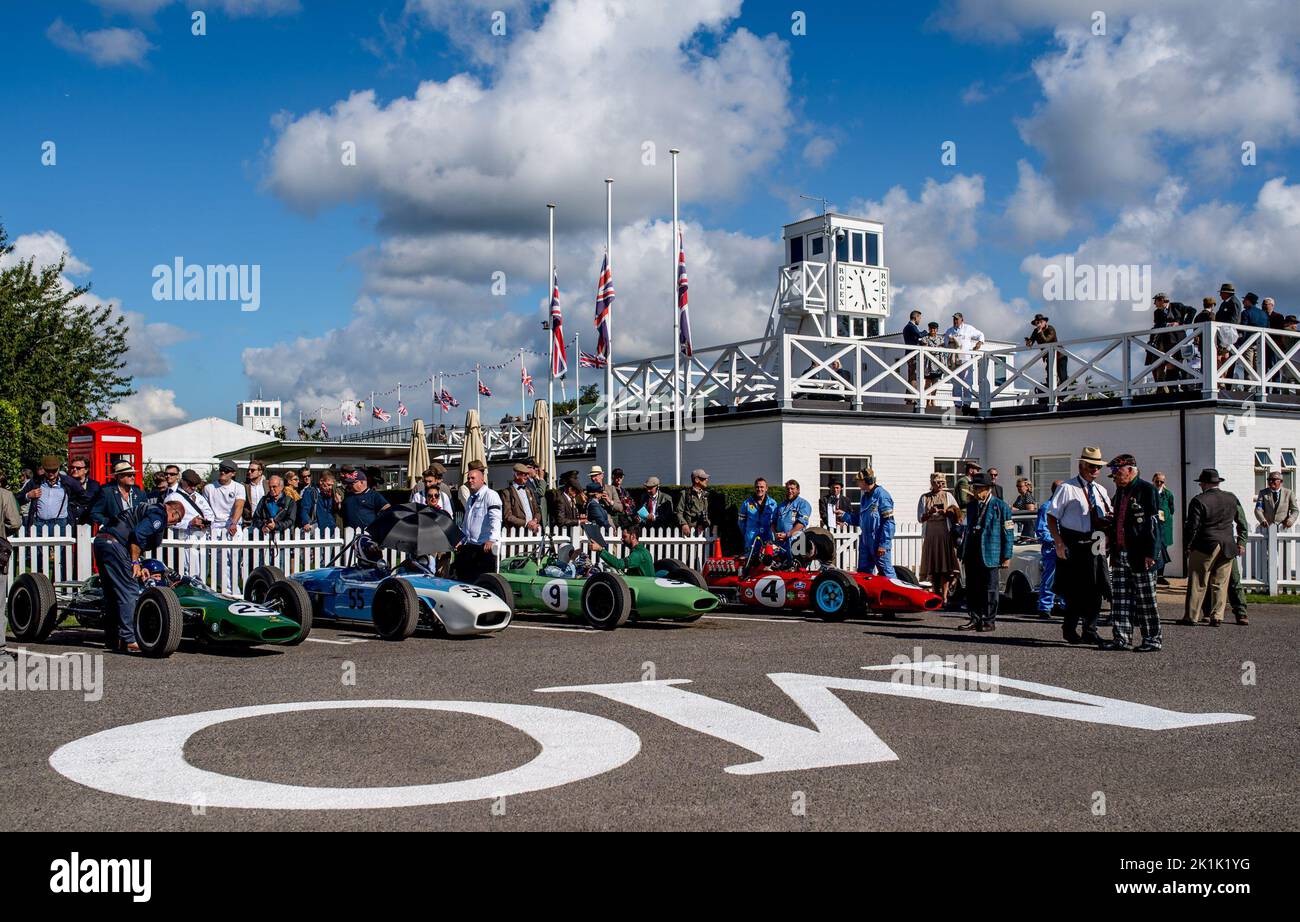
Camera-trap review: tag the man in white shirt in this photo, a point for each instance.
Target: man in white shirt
(195, 525)
(1076, 519)
(254, 488)
(476, 553)
(226, 498)
(961, 335)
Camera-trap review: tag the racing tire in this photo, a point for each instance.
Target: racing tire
(497, 584)
(907, 576)
(158, 622)
(606, 601)
(259, 583)
(834, 595)
(290, 599)
(33, 608)
(395, 609)
(665, 564)
(683, 574)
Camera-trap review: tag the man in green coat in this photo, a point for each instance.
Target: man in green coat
(637, 562)
(1165, 508)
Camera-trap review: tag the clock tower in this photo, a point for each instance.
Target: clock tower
(834, 282)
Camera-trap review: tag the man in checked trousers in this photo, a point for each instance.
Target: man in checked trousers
(1134, 545)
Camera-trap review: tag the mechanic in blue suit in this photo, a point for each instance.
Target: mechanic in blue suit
(1047, 598)
(793, 515)
(875, 520)
(757, 515)
(117, 551)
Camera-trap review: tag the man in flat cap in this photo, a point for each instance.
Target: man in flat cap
(694, 514)
(656, 509)
(1133, 545)
(195, 525)
(521, 506)
(53, 497)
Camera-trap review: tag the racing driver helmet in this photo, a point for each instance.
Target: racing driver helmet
(369, 552)
(155, 571)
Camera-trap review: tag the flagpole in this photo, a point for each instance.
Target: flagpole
(609, 332)
(521, 386)
(372, 411)
(677, 335)
(478, 394)
(577, 379)
(550, 338)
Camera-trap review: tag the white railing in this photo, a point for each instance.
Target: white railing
(802, 285)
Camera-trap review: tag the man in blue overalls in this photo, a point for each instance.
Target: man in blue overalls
(793, 515)
(756, 516)
(117, 551)
(875, 520)
(1047, 598)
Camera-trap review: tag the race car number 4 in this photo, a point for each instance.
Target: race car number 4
(770, 591)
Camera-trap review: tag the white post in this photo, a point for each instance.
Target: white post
(677, 335)
(609, 328)
(1273, 564)
(478, 394)
(577, 378)
(550, 338)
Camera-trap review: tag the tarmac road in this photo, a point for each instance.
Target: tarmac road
(957, 767)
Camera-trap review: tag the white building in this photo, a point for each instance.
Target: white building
(197, 443)
(264, 416)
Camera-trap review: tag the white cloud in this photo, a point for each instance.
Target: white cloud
(105, 47)
(1033, 209)
(46, 248)
(925, 236)
(149, 409)
(145, 9)
(974, 93)
(817, 151)
(469, 24)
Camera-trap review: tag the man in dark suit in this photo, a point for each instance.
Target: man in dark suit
(117, 497)
(987, 547)
(1133, 546)
(834, 506)
(567, 508)
(1211, 543)
(656, 510)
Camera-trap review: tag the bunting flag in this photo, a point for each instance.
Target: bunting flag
(683, 315)
(483, 389)
(559, 358)
(587, 360)
(350, 418)
(380, 414)
(526, 379)
(324, 429)
(604, 301)
(447, 401)
(401, 409)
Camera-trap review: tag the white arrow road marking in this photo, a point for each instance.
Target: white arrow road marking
(147, 761)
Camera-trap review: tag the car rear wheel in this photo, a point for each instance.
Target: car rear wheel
(33, 607)
(290, 599)
(676, 570)
(606, 601)
(158, 622)
(834, 595)
(1022, 597)
(497, 584)
(259, 583)
(395, 609)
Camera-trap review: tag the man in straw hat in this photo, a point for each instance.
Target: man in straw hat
(1077, 521)
(1211, 543)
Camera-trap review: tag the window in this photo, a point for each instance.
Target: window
(873, 249)
(816, 244)
(796, 249)
(1263, 464)
(948, 467)
(857, 246)
(842, 245)
(1042, 471)
(1288, 468)
(850, 327)
(845, 470)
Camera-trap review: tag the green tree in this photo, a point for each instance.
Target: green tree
(10, 443)
(590, 394)
(61, 356)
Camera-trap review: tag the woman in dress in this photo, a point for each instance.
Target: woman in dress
(938, 514)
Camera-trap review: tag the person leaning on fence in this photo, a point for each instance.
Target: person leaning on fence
(275, 512)
(1211, 544)
(1077, 519)
(117, 549)
(1133, 545)
(756, 516)
(520, 504)
(52, 499)
(987, 545)
(637, 562)
(118, 496)
(939, 515)
(912, 334)
(934, 361)
(694, 514)
(656, 509)
(481, 533)
(793, 514)
(875, 520)
(318, 510)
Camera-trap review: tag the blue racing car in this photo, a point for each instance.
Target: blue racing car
(396, 601)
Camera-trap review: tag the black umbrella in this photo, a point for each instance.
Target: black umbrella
(415, 529)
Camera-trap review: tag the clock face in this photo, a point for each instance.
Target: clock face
(863, 288)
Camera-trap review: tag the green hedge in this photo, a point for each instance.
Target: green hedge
(11, 447)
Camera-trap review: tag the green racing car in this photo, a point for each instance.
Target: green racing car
(563, 582)
(170, 608)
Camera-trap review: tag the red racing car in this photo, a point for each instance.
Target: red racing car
(771, 577)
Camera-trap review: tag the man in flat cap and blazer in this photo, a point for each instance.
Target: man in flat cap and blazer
(1133, 546)
(1210, 539)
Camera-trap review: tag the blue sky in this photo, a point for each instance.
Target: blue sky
(1122, 147)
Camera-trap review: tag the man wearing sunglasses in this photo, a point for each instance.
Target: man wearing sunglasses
(1077, 520)
(79, 470)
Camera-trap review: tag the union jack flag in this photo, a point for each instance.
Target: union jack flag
(401, 409)
(446, 401)
(483, 389)
(526, 379)
(587, 360)
(324, 429)
(380, 413)
(559, 358)
(683, 314)
(604, 301)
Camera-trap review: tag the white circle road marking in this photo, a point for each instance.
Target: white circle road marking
(147, 760)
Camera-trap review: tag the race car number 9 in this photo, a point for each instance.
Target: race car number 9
(770, 591)
(555, 595)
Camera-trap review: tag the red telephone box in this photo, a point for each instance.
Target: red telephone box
(102, 444)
